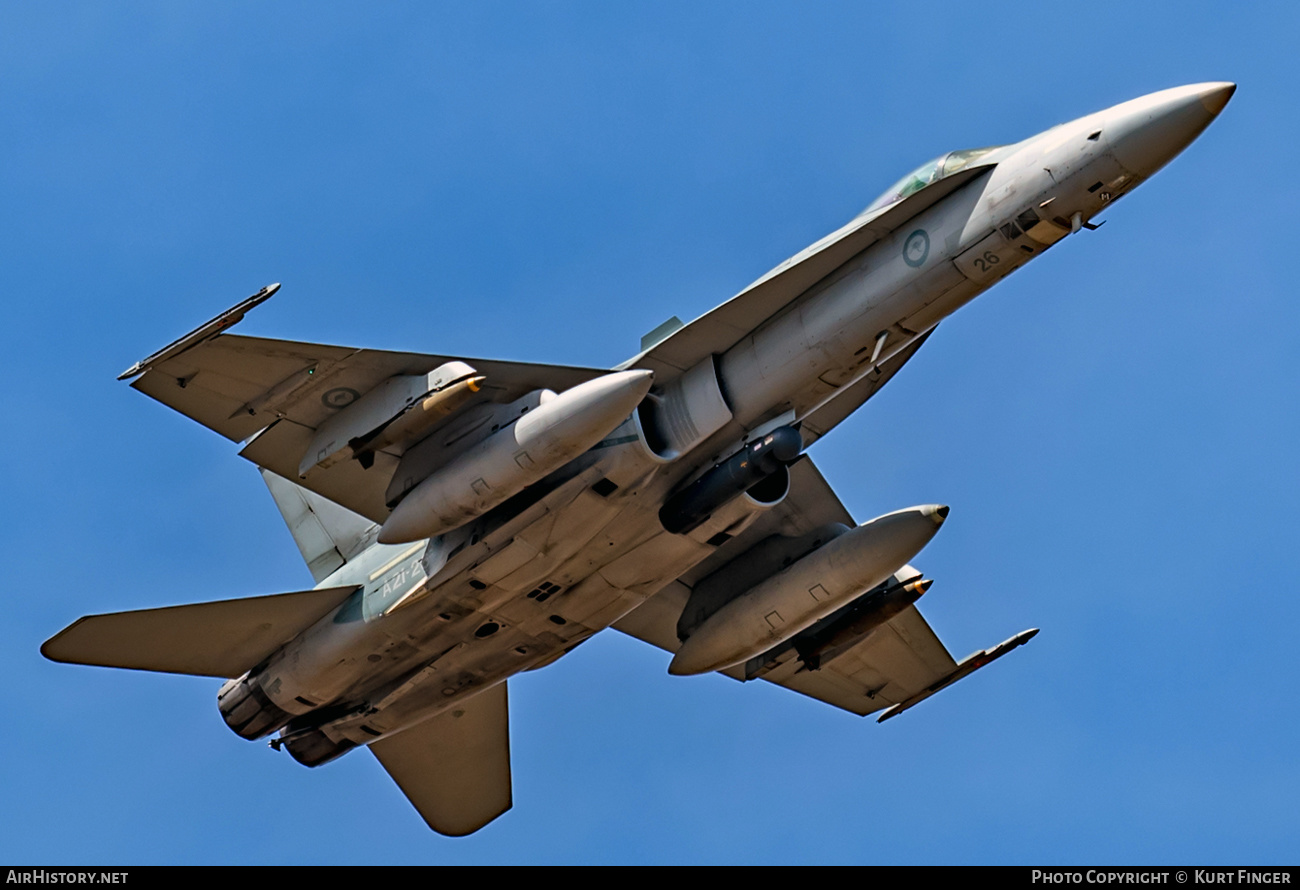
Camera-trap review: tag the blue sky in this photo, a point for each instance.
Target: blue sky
(1114, 426)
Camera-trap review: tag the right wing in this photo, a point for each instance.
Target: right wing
(454, 768)
(274, 394)
(899, 665)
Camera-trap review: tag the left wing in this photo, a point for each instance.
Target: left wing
(897, 665)
(278, 392)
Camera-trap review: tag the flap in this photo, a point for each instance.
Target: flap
(455, 768)
(899, 659)
(217, 639)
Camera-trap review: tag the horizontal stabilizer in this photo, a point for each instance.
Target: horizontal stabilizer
(218, 639)
(455, 768)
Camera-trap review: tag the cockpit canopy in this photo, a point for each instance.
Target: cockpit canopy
(944, 165)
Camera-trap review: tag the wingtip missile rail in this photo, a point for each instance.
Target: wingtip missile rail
(969, 665)
(225, 320)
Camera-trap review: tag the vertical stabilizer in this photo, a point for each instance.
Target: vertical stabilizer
(327, 535)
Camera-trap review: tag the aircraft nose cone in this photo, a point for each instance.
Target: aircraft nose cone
(1146, 133)
(1216, 96)
(936, 513)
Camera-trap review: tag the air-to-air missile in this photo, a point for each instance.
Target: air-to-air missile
(841, 630)
(401, 409)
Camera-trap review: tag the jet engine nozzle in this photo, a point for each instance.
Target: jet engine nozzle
(313, 747)
(247, 710)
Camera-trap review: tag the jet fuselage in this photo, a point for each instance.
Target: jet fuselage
(439, 620)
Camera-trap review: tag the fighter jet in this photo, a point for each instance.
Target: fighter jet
(467, 519)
